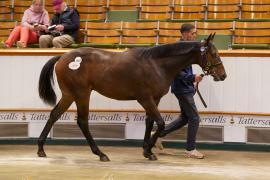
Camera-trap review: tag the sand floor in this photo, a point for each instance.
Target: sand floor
(20, 162)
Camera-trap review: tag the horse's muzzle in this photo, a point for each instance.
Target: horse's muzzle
(223, 77)
(220, 78)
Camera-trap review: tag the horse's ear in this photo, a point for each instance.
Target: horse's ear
(209, 39)
(213, 36)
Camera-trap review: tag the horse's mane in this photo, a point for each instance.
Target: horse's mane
(166, 50)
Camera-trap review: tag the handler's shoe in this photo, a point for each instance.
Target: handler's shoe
(158, 143)
(194, 154)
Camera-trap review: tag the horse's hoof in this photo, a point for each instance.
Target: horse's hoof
(152, 157)
(146, 155)
(104, 158)
(41, 154)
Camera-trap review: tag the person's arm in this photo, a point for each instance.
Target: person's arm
(45, 22)
(46, 19)
(75, 19)
(54, 20)
(25, 17)
(190, 77)
(186, 76)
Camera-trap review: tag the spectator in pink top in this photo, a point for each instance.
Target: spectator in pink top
(35, 20)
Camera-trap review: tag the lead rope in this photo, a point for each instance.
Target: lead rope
(198, 91)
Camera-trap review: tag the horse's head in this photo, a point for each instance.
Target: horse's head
(210, 60)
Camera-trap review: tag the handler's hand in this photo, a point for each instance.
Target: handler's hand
(59, 27)
(198, 78)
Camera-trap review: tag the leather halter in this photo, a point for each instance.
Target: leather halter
(206, 65)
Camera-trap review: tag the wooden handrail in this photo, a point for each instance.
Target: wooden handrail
(141, 111)
(91, 3)
(56, 51)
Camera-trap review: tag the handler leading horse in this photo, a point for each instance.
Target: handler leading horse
(142, 74)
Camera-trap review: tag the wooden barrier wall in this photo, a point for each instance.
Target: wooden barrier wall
(238, 107)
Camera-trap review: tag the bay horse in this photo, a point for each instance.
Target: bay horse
(142, 74)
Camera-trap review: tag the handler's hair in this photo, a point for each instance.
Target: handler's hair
(186, 27)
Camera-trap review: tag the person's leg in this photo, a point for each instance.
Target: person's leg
(23, 37)
(14, 36)
(181, 121)
(33, 37)
(27, 36)
(45, 41)
(62, 41)
(190, 109)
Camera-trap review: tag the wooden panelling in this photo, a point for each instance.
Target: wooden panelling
(205, 133)
(13, 129)
(71, 130)
(258, 135)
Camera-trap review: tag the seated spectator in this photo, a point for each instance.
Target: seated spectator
(64, 27)
(34, 21)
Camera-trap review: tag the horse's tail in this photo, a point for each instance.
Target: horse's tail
(46, 81)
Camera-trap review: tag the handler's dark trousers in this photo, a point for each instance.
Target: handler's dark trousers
(189, 115)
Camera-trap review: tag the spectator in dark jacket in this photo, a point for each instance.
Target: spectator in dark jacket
(183, 88)
(64, 27)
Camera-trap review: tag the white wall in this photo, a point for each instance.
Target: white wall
(245, 90)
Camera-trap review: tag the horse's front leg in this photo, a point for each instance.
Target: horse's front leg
(150, 107)
(146, 144)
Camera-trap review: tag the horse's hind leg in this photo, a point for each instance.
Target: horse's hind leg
(83, 111)
(55, 114)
